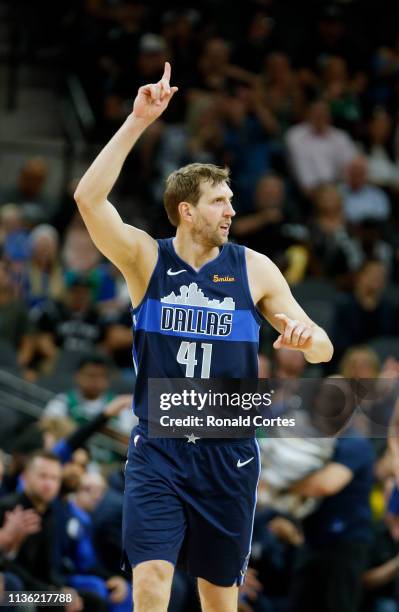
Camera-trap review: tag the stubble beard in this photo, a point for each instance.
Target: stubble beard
(206, 235)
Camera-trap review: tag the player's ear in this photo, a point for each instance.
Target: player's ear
(185, 210)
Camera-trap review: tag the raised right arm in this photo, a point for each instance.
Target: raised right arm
(118, 241)
(132, 250)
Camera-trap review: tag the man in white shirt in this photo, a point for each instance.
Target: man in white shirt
(361, 199)
(90, 396)
(318, 151)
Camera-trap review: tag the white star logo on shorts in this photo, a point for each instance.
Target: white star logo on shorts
(191, 438)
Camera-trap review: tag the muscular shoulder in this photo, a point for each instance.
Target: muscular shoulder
(255, 259)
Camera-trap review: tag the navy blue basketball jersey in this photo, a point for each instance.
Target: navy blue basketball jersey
(195, 324)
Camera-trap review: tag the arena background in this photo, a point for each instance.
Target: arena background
(300, 100)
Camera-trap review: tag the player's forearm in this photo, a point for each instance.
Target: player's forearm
(322, 349)
(96, 184)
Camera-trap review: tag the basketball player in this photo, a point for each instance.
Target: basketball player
(190, 498)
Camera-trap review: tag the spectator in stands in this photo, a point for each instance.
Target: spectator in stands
(179, 31)
(379, 150)
(105, 509)
(370, 238)
(72, 324)
(288, 369)
(281, 91)
(120, 41)
(18, 524)
(360, 362)
(91, 395)
(377, 398)
(334, 254)
(150, 56)
(80, 560)
(167, 146)
(340, 92)
(367, 313)
(44, 277)
(380, 578)
(266, 230)
(34, 556)
(318, 152)
(289, 364)
(211, 74)
(96, 544)
(29, 191)
(287, 460)
(80, 256)
(107, 528)
(251, 591)
(215, 72)
(14, 322)
(257, 42)
(205, 136)
(338, 534)
(65, 438)
(361, 200)
(385, 67)
(276, 542)
(118, 340)
(13, 237)
(250, 128)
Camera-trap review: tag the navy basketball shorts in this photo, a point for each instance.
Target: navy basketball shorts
(191, 504)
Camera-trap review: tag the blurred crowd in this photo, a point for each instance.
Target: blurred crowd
(301, 103)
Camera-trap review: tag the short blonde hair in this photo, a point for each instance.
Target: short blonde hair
(183, 185)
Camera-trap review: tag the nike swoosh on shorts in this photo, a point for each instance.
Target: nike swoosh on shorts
(242, 463)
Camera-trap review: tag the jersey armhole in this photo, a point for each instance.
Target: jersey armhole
(135, 309)
(259, 318)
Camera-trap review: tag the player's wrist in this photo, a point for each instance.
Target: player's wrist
(138, 123)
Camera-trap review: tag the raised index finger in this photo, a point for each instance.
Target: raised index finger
(166, 72)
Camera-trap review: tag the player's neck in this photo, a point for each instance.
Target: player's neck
(192, 252)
